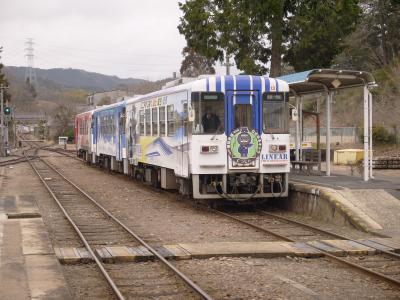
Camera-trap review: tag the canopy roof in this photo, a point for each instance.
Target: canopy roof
(317, 80)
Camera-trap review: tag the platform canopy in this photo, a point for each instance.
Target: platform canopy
(326, 81)
(318, 80)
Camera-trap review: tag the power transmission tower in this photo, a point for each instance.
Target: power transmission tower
(30, 73)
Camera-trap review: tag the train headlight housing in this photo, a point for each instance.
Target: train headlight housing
(277, 148)
(209, 149)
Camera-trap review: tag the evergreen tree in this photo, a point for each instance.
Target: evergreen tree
(238, 28)
(306, 33)
(376, 41)
(3, 80)
(317, 31)
(194, 64)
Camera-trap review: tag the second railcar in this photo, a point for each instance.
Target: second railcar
(108, 126)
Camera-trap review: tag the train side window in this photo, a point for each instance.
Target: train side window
(161, 117)
(171, 120)
(112, 125)
(148, 121)
(107, 125)
(154, 120)
(141, 121)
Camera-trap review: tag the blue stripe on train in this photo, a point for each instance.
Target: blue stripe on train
(218, 83)
(229, 83)
(243, 83)
(267, 84)
(256, 83)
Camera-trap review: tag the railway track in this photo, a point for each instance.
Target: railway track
(66, 153)
(96, 227)
(15, 161)
(385, 265)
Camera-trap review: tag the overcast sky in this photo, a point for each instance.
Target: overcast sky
(127, 38)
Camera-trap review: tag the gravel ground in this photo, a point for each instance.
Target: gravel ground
(86, 282)
(283, 278)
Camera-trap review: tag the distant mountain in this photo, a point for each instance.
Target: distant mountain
(75, 78)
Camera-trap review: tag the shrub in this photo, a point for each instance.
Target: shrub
(380, 135)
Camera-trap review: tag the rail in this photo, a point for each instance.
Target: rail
(112, 284)
(358, 267)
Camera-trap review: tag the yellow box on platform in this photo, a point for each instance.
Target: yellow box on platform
(348, 156)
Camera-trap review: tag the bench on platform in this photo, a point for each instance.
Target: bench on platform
(306, 167)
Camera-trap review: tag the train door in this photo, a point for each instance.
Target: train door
(96, 131)
(183, 159)
(121, 133)
(243, 110)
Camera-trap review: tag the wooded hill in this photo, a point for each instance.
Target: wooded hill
(74, 78)
(67, 87)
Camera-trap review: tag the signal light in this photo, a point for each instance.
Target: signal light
(7, 110)
(209, 149)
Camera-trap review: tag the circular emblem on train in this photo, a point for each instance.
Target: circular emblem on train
(244, 146)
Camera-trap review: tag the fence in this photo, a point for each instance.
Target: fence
(340, 135)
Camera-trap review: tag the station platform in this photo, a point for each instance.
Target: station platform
(28, 266)
(373, 204)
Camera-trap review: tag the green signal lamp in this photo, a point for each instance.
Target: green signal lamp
(7, 110)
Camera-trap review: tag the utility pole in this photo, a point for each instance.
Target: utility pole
(2, 148)
(227, 64)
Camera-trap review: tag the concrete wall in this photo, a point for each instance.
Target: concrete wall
(327, 205)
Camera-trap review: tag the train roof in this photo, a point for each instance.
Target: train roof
(109, 106)
(216, 84)
(85, 113)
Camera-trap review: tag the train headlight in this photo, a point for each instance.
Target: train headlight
(277, 148)
(273, 148)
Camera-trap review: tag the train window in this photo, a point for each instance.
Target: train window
(162, 120)
(141, 121)
(275, 112)
(209, 112)
(112, 127)
(171, 119)
(148, 121)
(244, 115)
(154, 120)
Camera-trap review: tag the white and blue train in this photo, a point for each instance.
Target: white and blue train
(211, 138)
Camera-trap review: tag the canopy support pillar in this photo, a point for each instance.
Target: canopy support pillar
(370, 134)
(301, 126)
(297, 142)
(328, 133)
(366, 133)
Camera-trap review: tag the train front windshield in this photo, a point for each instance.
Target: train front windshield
(275, 113)
(209, 112)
